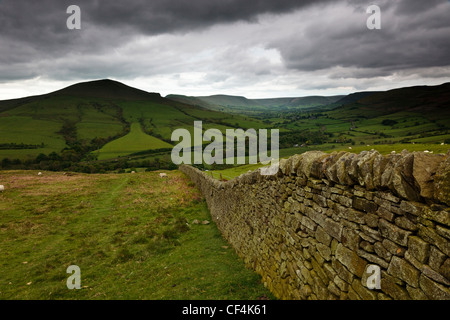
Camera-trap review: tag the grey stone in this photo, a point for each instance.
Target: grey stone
(419, 249)
(434, 290)
(351, 260)
(381, 251)
(442, 181)
(393, 232)
(405, 271)
(324, 251)
(445, 269)
(385, 214)
(363, 292)
(424, 168)
(405, 223)
(392, 289)
(322, 236)
(350, 238)
(445, 232)
(373, 258)
(431, 236)
(362, 204)
(333, 228)
(416, 294)
(437, 258)
(342, 271)
(393, 248)
(371, 220)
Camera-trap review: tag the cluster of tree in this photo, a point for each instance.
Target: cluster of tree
(389, 122)
(16, 146)
(288, 139)
(68, 162)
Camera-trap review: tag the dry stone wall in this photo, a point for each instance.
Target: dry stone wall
(313, 230)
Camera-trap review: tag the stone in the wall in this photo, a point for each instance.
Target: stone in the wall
(393, 232)
(351, 260)
(392, 289)
(431, 236)
(350, 238)
(445, 232)
(442, 181)
(425, 166)
(434, 275)
(419, 248)
(381, 251)
(434, 290)
(333, 228)
(323, 237)
(437, 258)
(445, 269)
(401, 269)
(342, 272)
(371, 220)
(373, 259)
(364, 293)
(416, 293)
(385, 214)
(405, 223)
(365, 168)
(362, 204)
(342, 165)
(306, 160)
(331, 165)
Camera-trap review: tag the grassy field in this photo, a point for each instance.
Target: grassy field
(132, 235)
(136, 140)
(21, 129)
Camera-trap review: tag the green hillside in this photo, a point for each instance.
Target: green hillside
(101, 118)
(104, 125)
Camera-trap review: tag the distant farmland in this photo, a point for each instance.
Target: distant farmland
(136, 140)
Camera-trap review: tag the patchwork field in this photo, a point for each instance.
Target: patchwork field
(136, 140)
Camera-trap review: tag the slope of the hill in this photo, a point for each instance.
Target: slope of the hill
(90, 114)
(107, 89)
(433, 102)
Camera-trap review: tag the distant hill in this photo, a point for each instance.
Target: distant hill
(107, 89)
(309, 101)
(87, 115)
(239, 104)
(353, 97)
(104, 121)
(432, 102)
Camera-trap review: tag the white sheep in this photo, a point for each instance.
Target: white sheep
(163, 175)
(40, 174)
(2, 188)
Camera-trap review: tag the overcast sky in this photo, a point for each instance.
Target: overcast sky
(255, 48)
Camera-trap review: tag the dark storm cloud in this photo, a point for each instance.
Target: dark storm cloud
(44, 21)
(325, 39)
(158, 16)
(414, 34)
(36, 30)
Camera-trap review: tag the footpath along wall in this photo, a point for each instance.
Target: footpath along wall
(312, 230)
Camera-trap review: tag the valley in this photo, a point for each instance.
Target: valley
(107, 126)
